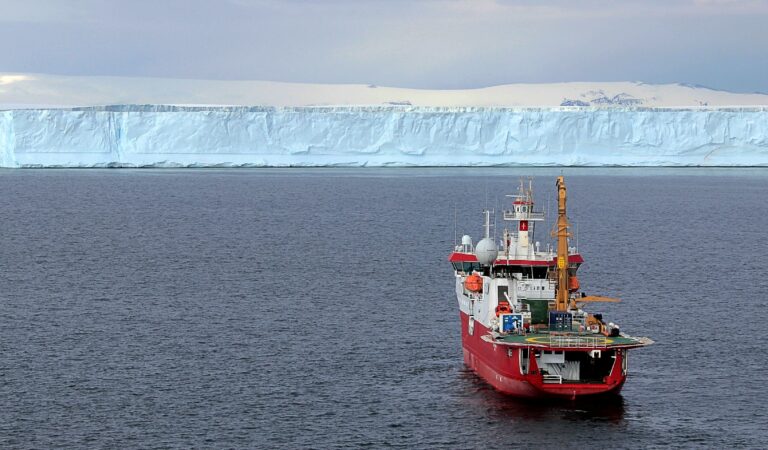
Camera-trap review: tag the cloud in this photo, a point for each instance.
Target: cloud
(411, 43)
(47, 11)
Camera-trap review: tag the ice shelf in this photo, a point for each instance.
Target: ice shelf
(220, 136)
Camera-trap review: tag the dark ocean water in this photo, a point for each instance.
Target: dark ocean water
(315, 308)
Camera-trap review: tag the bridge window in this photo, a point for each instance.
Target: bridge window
(468, 267)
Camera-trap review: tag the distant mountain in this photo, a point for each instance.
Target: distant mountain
(36, 90)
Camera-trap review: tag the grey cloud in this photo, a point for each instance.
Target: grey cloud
(428, 43)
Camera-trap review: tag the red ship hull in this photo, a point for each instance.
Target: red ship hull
(499, 365)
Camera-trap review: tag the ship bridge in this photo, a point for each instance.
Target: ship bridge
(518, 252)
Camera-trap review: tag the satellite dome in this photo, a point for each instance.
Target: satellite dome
(486, 251)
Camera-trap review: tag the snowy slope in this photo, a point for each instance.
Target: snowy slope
(32, 90)
(167, 136)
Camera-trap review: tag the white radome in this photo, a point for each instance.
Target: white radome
(486, 251)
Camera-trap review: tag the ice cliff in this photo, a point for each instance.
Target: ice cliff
(178, 136)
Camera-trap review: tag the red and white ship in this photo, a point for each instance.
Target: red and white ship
(523, 328)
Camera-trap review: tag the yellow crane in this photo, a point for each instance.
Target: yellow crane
(563, 233)
(563, 300)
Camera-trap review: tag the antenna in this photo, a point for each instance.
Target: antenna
(576, 222)
(495, 207)
(487, 227)
(549, 209)
(455, 234)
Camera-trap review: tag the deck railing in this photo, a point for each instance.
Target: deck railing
(512, 215)
(552, 379)
(577, 341)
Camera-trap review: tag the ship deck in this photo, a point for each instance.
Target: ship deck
(569, 340)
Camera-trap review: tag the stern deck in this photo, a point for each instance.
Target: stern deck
(568, 340)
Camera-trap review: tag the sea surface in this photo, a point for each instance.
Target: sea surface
(315, 308)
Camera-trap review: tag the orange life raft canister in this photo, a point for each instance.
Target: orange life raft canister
(573, 283)
(503, 308)
(474, 283)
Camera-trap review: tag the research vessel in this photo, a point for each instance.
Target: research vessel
(523, 327)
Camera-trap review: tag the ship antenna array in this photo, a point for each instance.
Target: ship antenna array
(576, 225)
(455, 233)
(549, 206)
(495, 208)
(530, 188)
(487, 225)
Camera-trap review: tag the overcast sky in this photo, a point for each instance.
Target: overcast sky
(406, 43)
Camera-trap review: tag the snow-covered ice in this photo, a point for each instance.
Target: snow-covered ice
(60, 121)
(177, 136)
(38, 90)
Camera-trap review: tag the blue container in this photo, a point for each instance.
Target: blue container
(560, 321)
(511, 322)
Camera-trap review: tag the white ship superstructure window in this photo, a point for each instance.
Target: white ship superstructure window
(465, 267)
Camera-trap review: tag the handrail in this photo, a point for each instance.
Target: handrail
(554, 379)
(512, 215)
(577, 341)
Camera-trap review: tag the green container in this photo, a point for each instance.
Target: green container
(538, 310)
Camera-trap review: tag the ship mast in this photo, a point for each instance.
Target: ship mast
(561, 296)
